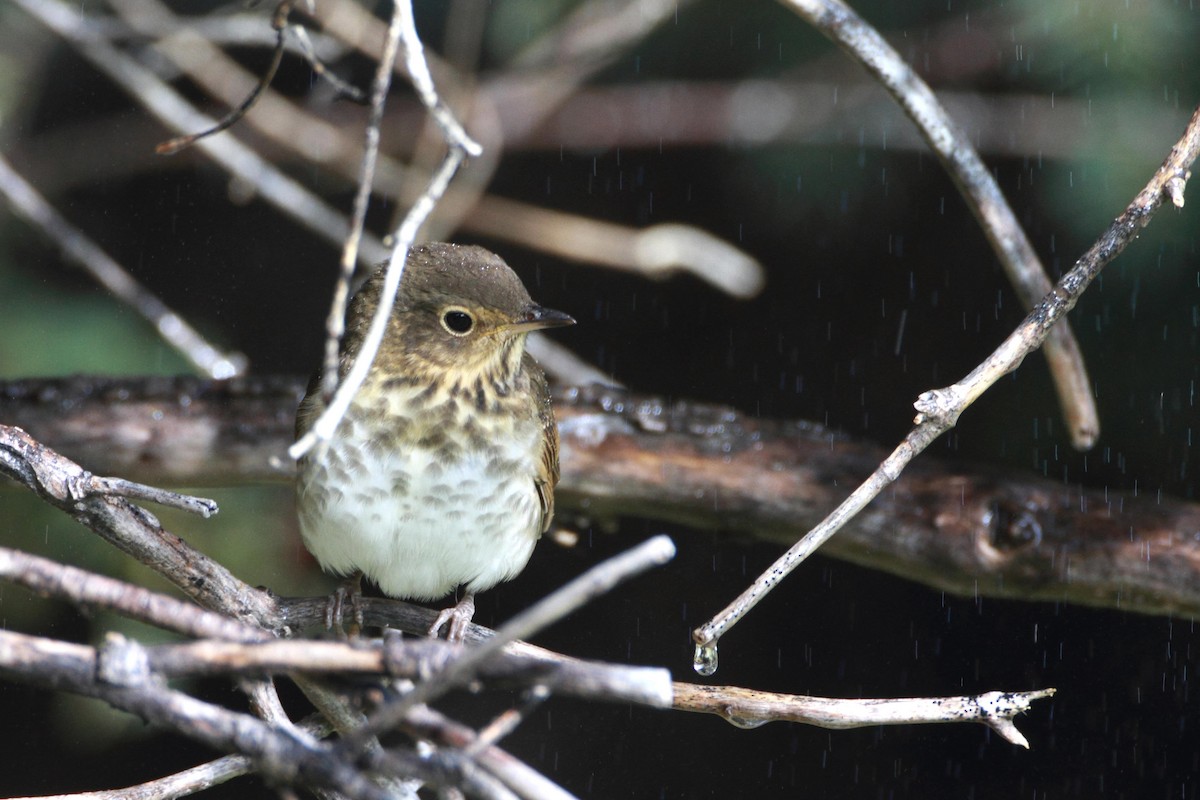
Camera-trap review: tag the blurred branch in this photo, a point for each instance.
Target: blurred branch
(77, 247)
(793, 111)
(966, 531)
(210, 67)
(938, 410)
(657, 251)
(288, 195)
(181, 784)
(686, 114)
(1024, 269)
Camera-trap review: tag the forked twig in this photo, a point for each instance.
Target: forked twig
(938, 410)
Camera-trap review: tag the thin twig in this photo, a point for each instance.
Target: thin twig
(747, 708)
(344, 717)
(418, 70)
(839, 23)
(593, 583)
(335, 324)
(77, 247)
(657, 251)
(429, 723)
(938, 410)
(279, 24)
(309, 51)
(91, 485)
(284, 193)
(460, 147)
(183, 783)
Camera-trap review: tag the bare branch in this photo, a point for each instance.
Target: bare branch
(460, 147)
(585, 42)
(181, 784)
(77, 247)
(120, 679)
(49, 578)
(279, 23)
(335, 323)
(596, 581)
(657, 251)
(965, 530)
(409, 658)
(509, 720)
(862, 42)
(284, 193)
(747, 708)
(938, 410)
(429, 723)
(131, 528)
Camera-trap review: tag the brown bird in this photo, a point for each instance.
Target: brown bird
(442, 473)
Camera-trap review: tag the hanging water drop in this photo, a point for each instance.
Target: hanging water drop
(705, 660)
(746, 723)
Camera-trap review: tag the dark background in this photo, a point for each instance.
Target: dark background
(853, 234)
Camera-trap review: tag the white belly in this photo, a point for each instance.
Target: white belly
(417, 526)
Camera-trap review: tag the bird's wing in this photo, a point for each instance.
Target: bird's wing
(547, 477)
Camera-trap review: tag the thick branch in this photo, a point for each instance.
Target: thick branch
(958, 529)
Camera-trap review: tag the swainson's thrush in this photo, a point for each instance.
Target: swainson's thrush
(442, 473)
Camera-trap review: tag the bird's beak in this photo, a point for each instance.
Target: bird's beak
(536, 317)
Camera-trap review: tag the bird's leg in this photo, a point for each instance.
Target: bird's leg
(459, 618)
(335, 607)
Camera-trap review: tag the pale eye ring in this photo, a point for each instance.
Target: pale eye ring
(457, 321)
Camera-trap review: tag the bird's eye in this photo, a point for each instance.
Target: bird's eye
(457, 322)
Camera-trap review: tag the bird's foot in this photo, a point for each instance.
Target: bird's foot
(335, 607)
(459, 618)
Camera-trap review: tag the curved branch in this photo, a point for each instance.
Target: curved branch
(863, 43)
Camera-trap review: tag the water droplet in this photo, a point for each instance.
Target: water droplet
(744, 722)
(705, 660)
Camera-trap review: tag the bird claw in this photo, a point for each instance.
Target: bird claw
(335, 607)
(459, 618)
